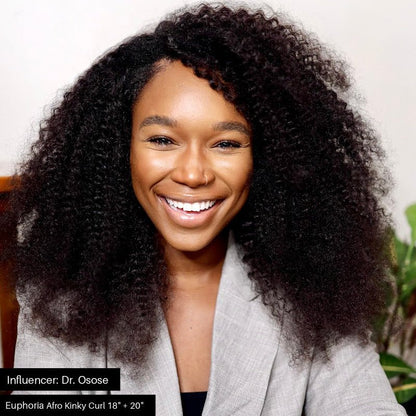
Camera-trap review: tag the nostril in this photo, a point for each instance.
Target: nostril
(208, 177)
(191, 175)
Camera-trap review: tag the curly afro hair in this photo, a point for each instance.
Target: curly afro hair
(313, 230)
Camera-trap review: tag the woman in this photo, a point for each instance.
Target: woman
(202, 210)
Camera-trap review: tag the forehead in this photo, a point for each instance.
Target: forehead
(175, 91)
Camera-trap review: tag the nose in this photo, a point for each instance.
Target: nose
(192, 168)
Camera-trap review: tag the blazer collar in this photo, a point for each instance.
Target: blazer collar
(244, 345)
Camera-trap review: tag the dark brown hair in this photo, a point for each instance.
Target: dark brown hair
(312, 231)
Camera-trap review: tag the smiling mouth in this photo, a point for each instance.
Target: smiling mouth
(191, 207)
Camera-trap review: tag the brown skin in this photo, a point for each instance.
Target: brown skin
(192, 146)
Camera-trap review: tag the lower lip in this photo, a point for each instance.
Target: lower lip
(189, 219)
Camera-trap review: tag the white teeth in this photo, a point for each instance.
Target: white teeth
(188, 207)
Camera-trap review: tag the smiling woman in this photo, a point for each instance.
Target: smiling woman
(203, 211)
(191, 163)
(190, 158)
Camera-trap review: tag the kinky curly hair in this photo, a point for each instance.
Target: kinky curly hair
(312, 232)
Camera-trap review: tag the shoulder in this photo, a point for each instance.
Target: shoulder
(352, 381)
(34, 350)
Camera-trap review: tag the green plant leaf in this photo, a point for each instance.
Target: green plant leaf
(411, 218)
(410, 273)
(394, 366)
(406, 391)
(409, 282)
(400, 249)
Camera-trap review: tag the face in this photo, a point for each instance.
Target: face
(190, 157)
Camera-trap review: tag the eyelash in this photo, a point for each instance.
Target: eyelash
(160, 140)
(228, 144)
(166, 141)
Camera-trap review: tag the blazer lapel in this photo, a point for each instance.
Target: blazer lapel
(157, 376)
(245, 343)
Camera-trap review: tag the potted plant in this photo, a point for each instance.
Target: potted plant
(397, 329)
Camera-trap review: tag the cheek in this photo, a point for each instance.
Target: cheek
(240, 175)
(140, 177)
(137, 182)
(245, 178)
(242, 194)
(237, 176)
(146, 170)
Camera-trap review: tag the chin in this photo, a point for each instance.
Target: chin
(191, 243)
(185, 246)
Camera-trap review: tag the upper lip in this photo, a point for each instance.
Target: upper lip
(190, 199)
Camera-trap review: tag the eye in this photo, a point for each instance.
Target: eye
(228, 144)
(161, 141)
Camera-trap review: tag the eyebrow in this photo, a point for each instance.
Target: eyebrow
(232, 125)
(161, 120)
(221, 126)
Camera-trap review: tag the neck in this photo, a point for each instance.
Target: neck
(197, 269)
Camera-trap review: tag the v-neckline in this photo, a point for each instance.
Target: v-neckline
(245, 342)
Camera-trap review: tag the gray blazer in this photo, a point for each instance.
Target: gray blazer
(251, 373)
